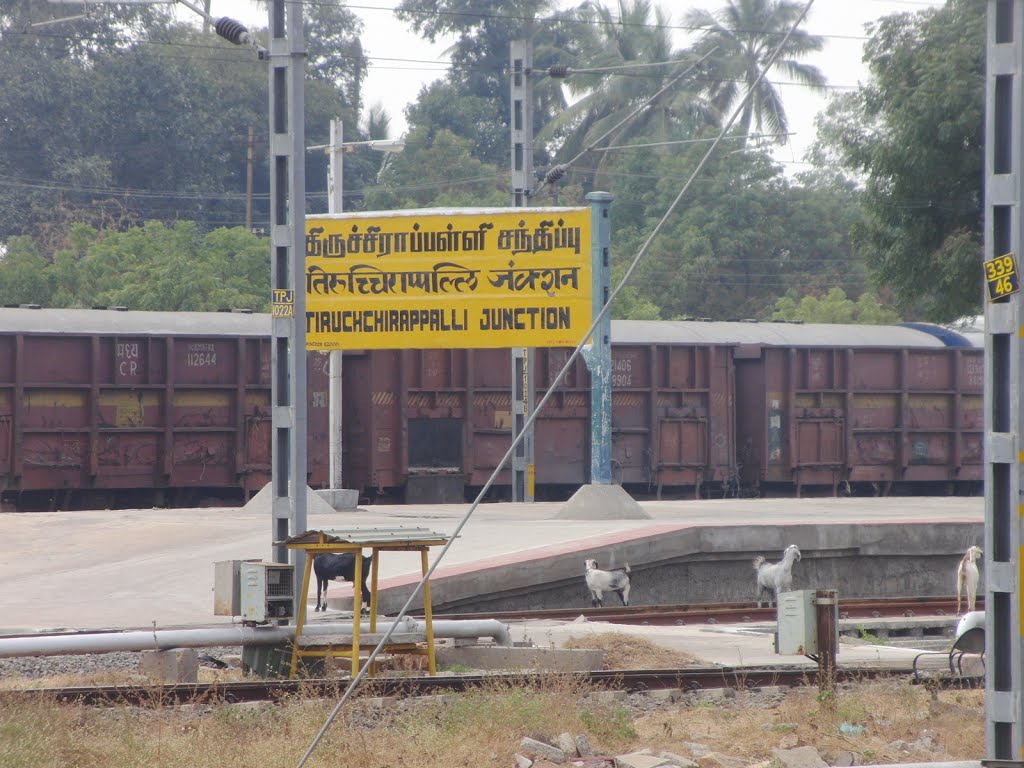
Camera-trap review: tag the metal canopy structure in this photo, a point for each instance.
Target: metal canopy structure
(354, 540)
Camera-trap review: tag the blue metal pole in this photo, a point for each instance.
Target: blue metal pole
(598, 354)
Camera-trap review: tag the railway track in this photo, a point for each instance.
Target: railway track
(722, 613)
(634, 680)
(630, 680)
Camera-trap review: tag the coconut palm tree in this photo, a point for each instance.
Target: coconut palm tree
(603, 100)
(745, 34)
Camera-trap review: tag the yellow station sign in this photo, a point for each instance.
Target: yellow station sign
(427, 279)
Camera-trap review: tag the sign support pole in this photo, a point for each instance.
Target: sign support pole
(598, 354)
(335, 184)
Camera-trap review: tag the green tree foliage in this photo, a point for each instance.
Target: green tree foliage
(915, 133)
(834, 307)
(637, 35)
(441, 107)
(742, 237)
(438, 169)
(156, 267)
(744, 36)
(25, 25)
(485, 30)
(150, 123)
(335, 53)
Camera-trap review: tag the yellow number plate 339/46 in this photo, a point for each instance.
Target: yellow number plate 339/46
(1001, 276)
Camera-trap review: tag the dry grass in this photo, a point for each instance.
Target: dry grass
(484, 726)
(480, 727)
(625, 651)
(889, 710)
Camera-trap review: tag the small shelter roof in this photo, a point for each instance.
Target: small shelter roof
(369, 537)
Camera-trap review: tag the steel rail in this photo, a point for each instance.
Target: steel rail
(712, 613)
(687, 679)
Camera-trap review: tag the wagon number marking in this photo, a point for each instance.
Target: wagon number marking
(128, 355)
(200, 356)
(622, 373)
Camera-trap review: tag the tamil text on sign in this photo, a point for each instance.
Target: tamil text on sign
(436, 278)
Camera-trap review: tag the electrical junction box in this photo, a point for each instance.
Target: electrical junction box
(267, 591)
(798, 623)
(227, 591)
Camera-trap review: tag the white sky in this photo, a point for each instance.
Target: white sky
(401, 62)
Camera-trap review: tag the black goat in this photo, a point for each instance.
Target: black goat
(343, 566)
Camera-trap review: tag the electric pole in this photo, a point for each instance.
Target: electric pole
(521, 122)
(288, 256)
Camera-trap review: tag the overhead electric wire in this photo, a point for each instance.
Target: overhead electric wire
(937, 4)
(692, 141)
(559, 170)
(361, 675)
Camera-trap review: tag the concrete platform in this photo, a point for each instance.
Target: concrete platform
(140, 568)
(732, 645)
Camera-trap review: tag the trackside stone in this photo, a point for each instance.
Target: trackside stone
(538, 749)
(697, 750)
(800, 757)
(583, 748)
(640, 760)
(522, 761)
(678, 760)
(718, 760)
(177, 665)
(567, 744)
(667, 695)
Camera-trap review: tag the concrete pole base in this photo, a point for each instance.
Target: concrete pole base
(340, 499)
(601, 502)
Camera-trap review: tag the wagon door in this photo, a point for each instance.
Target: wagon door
(7, 378)
(435, 462)
(818, 393)
(5, 448)
(819, 447)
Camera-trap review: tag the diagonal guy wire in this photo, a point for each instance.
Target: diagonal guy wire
(354, 683)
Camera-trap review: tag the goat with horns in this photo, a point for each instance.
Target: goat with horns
(774, 578)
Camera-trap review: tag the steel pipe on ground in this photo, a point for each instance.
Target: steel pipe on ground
(166, 639)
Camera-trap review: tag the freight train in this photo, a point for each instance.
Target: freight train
(111, 408)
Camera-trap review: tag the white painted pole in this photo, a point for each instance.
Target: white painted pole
(334, 402)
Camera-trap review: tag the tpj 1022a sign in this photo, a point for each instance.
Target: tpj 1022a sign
(468, 278)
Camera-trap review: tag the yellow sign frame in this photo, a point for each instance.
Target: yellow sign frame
(433, 278)
(1001, 276)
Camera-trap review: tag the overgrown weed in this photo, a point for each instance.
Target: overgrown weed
(484, 725)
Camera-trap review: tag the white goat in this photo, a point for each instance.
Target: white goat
(967, 578)
(599, 582)
(776, 577)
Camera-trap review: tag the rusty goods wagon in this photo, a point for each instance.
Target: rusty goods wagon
(436, 423)
(846, 408)
(102, 407)
(99, 407)
(699, 409)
